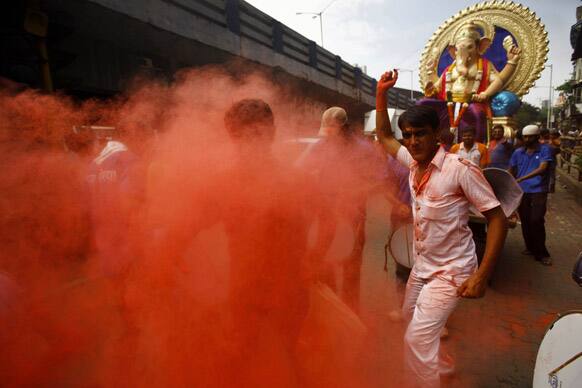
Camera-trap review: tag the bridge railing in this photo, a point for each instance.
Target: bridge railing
(245, 20)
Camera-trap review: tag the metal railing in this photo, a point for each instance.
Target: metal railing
(247, 21)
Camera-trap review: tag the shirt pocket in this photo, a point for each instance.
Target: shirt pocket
(440, 229)
(434, 213)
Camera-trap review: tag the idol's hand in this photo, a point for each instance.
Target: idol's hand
(513, 51)
(474, 287)
(481, 97)
(430, 65)
(513, 54)
(386, 82)
(429, 89)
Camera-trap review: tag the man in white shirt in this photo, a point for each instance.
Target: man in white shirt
(470, 149)
(443, 186)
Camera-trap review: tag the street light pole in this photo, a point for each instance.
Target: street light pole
(320, 16)
(411, 81)
(550, 96)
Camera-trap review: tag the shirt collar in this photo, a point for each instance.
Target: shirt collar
(473, 148)
(437, 160)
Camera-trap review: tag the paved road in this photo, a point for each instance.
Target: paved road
(494, 339)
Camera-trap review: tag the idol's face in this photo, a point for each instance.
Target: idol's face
(466, 51)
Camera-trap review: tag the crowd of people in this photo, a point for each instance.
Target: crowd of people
(280, 221)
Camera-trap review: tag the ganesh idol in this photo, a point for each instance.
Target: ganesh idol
(463, 90)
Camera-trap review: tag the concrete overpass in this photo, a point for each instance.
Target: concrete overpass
(96, 46)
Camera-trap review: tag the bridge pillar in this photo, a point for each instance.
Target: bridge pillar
(312, 54)
(358, 77)
(233, 16)
(277, 36)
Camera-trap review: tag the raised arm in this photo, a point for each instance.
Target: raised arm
(383, 128)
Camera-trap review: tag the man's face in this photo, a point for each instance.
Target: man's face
(468, 139)
(497, 133)
(530, 140)
(420, 142)
(255, 140)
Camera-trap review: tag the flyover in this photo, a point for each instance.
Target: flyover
(95, 47)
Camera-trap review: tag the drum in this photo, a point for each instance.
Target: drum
(559, 360)
(506, 189)
(401, 246)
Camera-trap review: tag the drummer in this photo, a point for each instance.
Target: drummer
(443, 186)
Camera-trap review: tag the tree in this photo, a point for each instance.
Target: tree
(528, 114)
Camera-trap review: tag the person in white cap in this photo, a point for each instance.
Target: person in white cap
(529, 165)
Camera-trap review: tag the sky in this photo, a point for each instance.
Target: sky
(386, 34)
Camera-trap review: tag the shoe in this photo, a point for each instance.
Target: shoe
(546, 260)
(526, 252)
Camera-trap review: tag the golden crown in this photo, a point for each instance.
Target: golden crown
(473, 30)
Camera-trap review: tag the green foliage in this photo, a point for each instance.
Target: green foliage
(528, 114)
(566, 87)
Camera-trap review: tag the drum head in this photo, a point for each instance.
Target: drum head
(559, 360)
(401, 246)
(505, 187)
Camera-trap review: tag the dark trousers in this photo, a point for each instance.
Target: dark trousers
(532, 211)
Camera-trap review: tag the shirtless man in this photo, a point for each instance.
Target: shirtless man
(443, 186)
(264, 207)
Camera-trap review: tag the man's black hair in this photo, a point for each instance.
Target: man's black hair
(468, 129)
(245, 117)
(419, 116)
(498, 126)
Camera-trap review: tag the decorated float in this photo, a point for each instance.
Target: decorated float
(479, 64)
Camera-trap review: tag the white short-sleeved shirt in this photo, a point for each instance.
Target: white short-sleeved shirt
(443, 243)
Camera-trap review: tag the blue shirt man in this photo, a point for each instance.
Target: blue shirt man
(526, 161)
(530, 166)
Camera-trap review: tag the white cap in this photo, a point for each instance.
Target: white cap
(530, 130)
(332, 120)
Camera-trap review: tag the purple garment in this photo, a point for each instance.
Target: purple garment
(475, 117)
(500, 155)
(399, 174)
